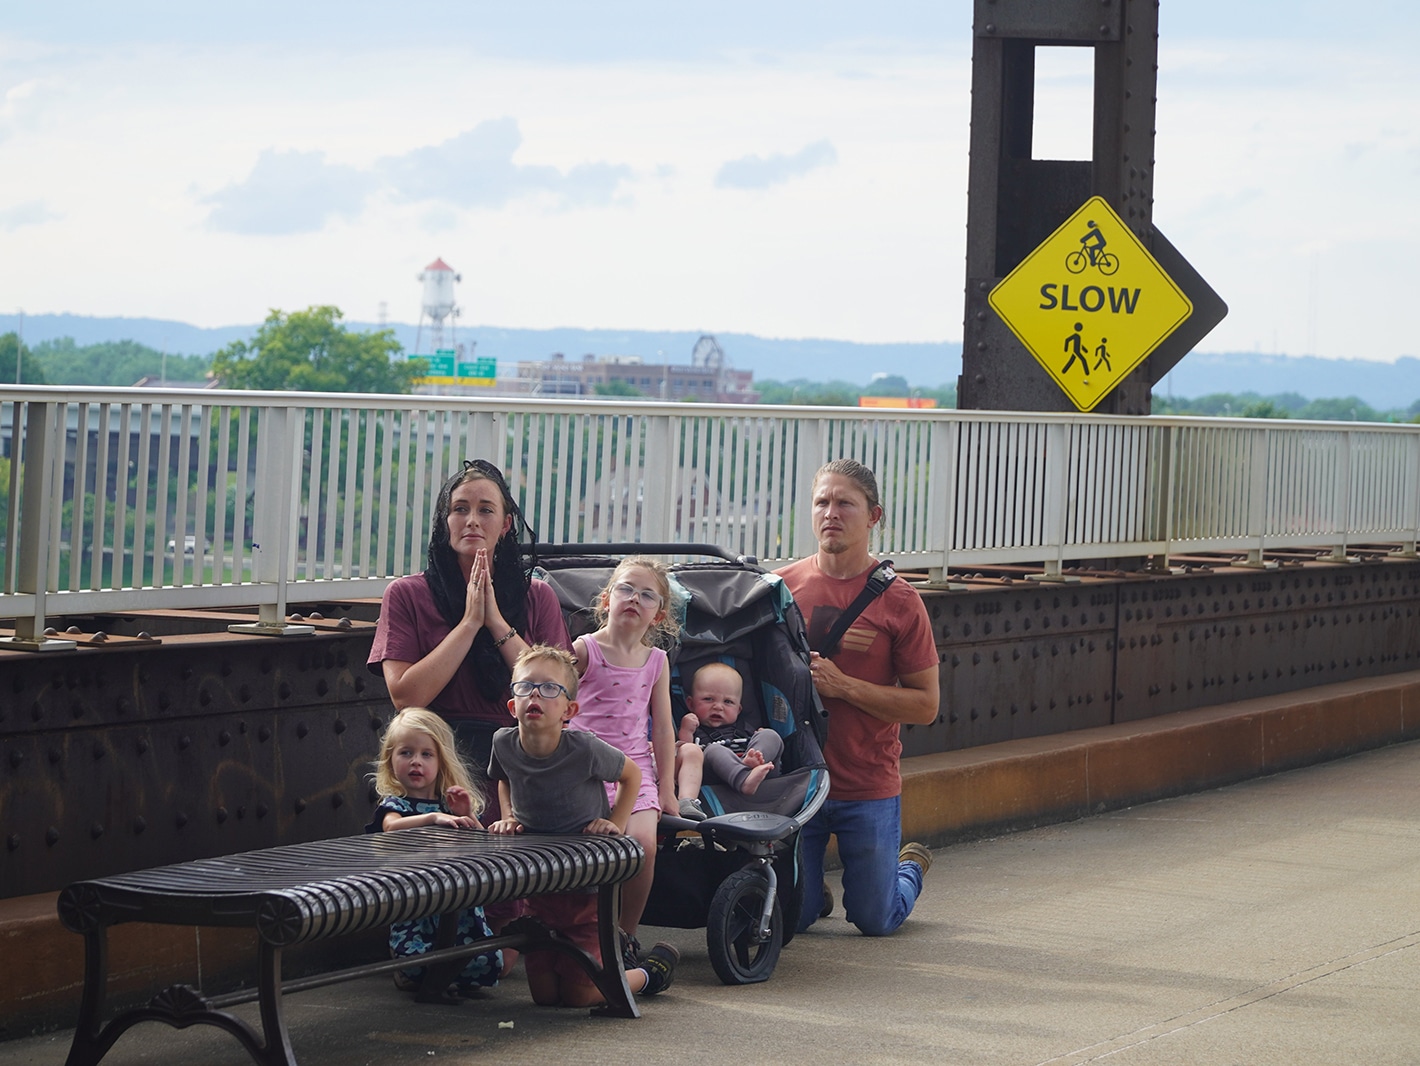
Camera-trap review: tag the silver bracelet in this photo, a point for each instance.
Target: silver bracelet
(510, 635)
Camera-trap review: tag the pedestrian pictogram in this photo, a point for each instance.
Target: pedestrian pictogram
(1090, 303)
(1072, 345)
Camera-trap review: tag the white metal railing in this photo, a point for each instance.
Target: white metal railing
(123, 499)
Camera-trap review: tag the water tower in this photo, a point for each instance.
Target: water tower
(438, 304)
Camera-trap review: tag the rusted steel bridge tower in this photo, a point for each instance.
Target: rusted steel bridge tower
(1016, 201)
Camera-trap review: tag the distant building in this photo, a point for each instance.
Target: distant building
(897, 401)
(156, 381)
(707, 378)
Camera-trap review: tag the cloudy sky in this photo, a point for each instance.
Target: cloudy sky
(780, 167)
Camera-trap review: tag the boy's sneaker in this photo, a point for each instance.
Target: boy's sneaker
(630, 950)
(915, 852)
(690, 808)
(659, 965)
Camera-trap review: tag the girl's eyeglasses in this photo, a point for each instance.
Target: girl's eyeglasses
(548, 690)
(648, 597)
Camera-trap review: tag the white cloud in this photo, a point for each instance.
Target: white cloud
(17, 106)
(288, 192)
(1282, 177)
(476, 169)
(756, 172)
(16, 95)
(30, 213)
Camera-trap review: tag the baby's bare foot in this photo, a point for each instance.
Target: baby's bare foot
(753, 757)
(754, 777)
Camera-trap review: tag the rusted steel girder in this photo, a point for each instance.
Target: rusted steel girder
(127, 756)
(130, 755)
(1020, 659)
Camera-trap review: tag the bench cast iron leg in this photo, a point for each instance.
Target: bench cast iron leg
(89, 1044)
(439, 975)
(178, 1006)
(611, 980)
(277, 1042)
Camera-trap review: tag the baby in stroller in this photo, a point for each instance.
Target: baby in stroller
(712, 738)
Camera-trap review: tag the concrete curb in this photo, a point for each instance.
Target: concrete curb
(1017, 784)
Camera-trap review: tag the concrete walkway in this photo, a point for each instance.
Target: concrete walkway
(1272, 921)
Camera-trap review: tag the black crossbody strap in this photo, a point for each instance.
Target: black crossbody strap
(879, 578)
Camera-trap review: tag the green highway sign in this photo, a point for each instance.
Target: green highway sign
(482, 371)
(445, 370)
(441, 365)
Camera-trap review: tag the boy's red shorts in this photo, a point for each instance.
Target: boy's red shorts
(574, 915)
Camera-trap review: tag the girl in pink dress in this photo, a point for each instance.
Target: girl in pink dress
(625, 699)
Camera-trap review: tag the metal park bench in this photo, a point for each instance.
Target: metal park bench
(302, 893)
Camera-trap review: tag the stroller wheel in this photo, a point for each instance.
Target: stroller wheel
(737, 953)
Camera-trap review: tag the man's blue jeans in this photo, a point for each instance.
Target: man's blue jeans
(878, 891)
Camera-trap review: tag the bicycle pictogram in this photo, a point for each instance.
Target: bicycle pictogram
(1091, 253)
(1105, 262)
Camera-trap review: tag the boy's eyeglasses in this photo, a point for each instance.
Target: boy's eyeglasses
(548, 690)
(648, 597)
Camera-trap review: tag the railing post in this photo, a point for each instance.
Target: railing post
(1410, 508)
(942, 496)
(1057, 472)
(39, 520)
(485, 440)
(1259, 441)
(1341, 505)
(1159, 482)
(808, 457)
(658, 480)
(279, 449)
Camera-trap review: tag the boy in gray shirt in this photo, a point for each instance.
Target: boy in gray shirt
(551, 780)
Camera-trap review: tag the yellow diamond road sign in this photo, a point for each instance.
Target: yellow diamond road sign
(1090, 303)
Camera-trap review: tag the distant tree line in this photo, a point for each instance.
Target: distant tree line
(1219, 404)
(109, 363)
(303, 351)
(1283, 405)
(114, 363)
(29, 371)
(312, 351)
(845, 394)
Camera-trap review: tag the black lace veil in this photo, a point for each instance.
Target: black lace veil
(514, 556)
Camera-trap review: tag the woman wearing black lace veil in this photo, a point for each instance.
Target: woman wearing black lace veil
(447, 638)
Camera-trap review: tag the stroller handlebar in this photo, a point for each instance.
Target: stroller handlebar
(714, 551)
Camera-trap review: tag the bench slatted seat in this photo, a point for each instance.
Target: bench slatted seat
(302, 893)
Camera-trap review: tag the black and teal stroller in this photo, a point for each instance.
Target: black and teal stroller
(737, 874)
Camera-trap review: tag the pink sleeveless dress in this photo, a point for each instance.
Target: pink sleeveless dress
(614, 703)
